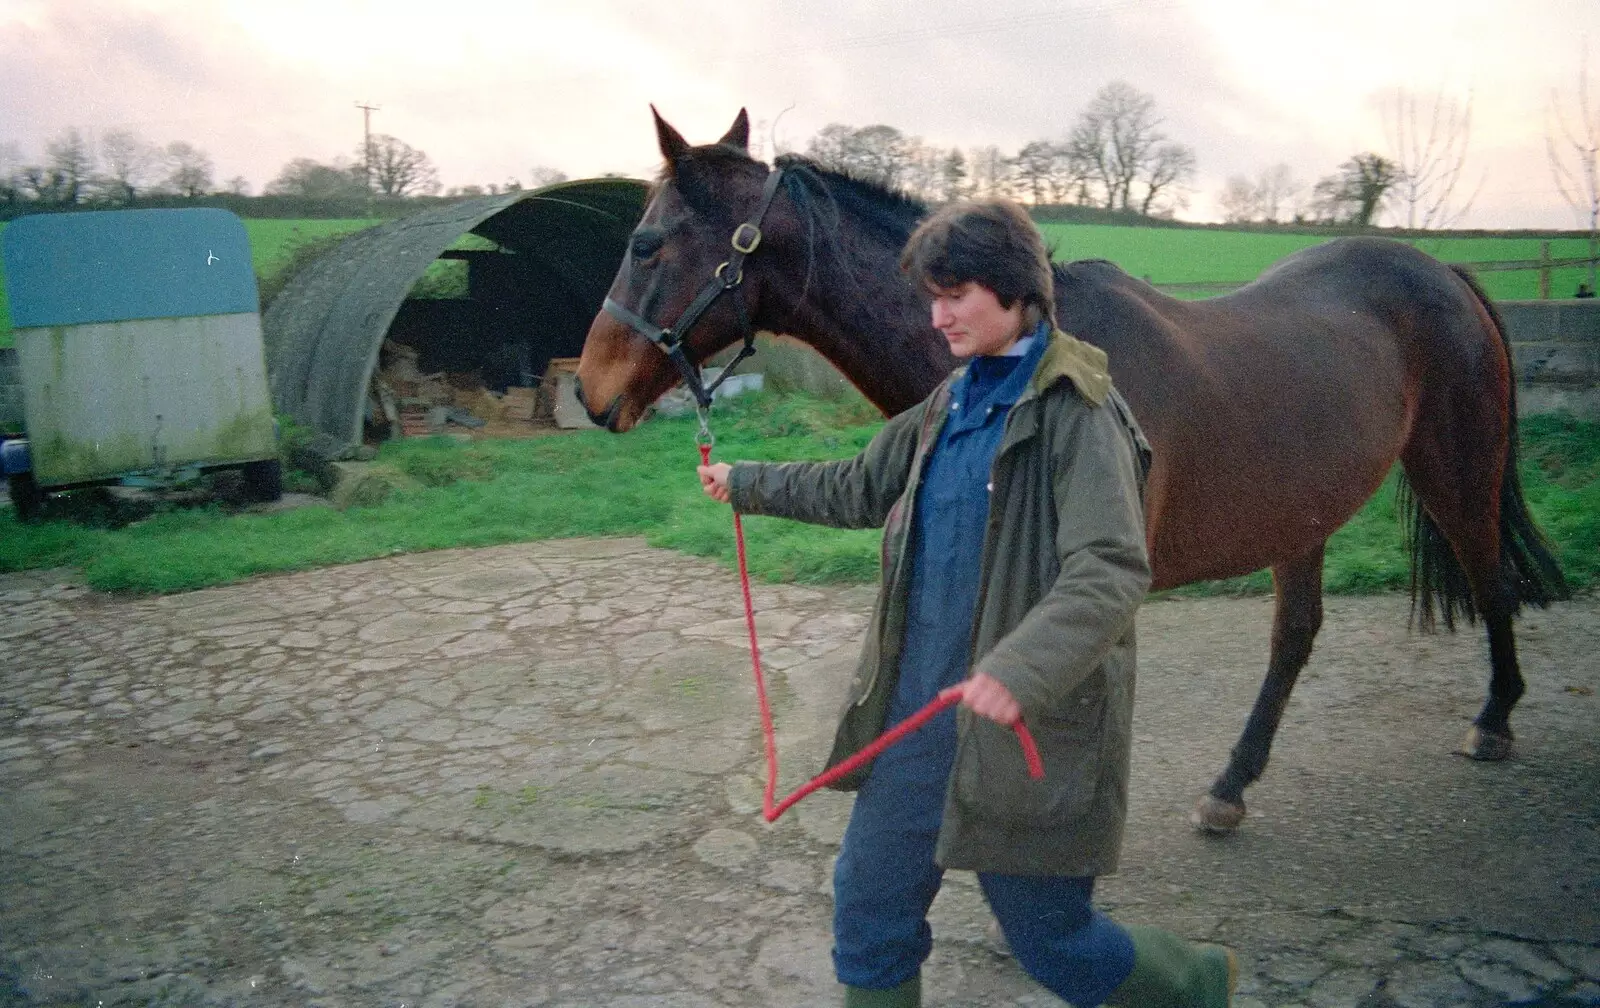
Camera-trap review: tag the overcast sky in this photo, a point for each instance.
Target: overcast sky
(491, 89)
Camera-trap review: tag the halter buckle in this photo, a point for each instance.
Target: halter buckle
(749, 244)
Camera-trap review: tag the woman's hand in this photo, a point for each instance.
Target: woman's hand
(988, 697)
(714, 480)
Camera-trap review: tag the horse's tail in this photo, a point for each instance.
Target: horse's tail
(1527, 561)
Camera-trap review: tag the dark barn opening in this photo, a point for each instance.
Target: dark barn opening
(530, 292)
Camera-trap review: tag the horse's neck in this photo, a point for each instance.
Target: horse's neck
(875, 330)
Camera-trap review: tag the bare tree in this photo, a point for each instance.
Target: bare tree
(990, 171)
(1032, 168)
(876, 153)
(882, 153)
(1238, 200)
(542, 176)
(189, 169)
(1071, 177)
(1276, 189)
(69, 167)
(395, 168)
(1166, 180)
(1119, 141)
(1429, 143)
(10, 165)
(1271, 192)
(923, 170)
(831, 146)
(953, 175)
(237, 186)
(129, 162)
(1575, 159)
(1356, 192)
(313, 180)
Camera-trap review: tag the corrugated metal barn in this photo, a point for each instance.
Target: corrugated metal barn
(530, 298)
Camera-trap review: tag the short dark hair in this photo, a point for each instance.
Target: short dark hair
(992, 243)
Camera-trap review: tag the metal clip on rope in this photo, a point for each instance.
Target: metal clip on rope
(703, 437)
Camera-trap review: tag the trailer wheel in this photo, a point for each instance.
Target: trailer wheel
(263, 480)
(26, 495)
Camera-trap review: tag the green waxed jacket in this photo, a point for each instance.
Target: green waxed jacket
(1064, 571)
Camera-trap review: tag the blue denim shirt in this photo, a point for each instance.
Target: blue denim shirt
(951, 514)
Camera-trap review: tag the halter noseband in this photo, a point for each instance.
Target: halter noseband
(725, 279)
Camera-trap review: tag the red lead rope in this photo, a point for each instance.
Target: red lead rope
(946, 698)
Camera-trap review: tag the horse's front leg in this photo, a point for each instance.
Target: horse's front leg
(1295, 622)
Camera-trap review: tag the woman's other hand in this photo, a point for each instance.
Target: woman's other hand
(714, 480)
(988, 697)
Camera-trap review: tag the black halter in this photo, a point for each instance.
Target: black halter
(725, 279)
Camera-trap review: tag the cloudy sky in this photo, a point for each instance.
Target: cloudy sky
(491, 88)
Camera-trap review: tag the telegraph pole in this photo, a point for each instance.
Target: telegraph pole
(366, 142)
(366, 150)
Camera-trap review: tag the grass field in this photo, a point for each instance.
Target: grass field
(1173, 255)
(591, 483)
(1162, 255)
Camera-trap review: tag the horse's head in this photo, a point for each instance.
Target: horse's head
(707, 208)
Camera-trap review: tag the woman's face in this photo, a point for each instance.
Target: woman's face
(972, 320)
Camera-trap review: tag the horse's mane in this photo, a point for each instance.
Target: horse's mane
(823, 195)
(888, 215)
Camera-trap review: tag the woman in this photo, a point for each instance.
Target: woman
(1013, 563)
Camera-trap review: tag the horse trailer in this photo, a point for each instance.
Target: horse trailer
(138, 339)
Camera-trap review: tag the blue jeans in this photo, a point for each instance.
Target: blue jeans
(885, 881)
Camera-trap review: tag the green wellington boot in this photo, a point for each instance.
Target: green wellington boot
(1170, 972)
(907, 995)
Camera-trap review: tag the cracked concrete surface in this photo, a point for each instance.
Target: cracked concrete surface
(531, 775)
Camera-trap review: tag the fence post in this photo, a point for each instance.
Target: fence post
(1544, 271)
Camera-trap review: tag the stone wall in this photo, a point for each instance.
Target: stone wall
(1556, 347)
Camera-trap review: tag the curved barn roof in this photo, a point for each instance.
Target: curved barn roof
(324, 330)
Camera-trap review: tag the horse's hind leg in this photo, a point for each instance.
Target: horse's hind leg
(1295, 622)
(1489, 738)
(1459, 491)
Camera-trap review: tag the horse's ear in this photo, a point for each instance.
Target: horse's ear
(738, 135)
(673, 145)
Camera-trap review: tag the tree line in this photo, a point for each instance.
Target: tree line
(121, 168)
(1116, 156)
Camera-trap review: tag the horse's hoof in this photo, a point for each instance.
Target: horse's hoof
(1213, 815)
(997, 940)
(1484, 745)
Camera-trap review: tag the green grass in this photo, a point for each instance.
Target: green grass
(272, 242)
(1173, 255)
(643, 484)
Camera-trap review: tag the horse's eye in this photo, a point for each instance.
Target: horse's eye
(646, 245)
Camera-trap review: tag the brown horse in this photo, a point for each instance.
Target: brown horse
(1274, 411)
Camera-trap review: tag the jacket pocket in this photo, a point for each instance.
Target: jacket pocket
(991, 775)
